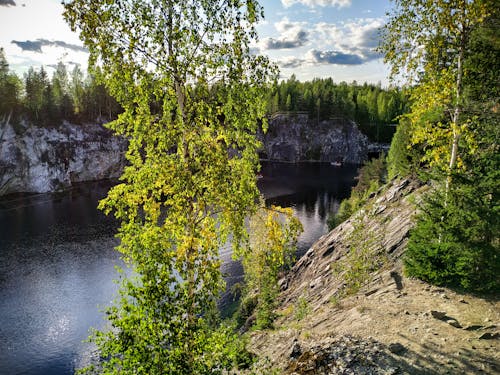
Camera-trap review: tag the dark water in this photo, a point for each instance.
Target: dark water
(57, 262)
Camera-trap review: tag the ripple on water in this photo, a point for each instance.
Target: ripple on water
(57, 263)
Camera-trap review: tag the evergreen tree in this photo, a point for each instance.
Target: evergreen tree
(60, 89)
(77, 91)
(35, 85)
(49, 113)
(455, 241)
(457, 244)
(402, 159)
(288, 104)
(10, 89)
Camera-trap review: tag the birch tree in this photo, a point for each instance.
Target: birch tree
(439, 47)
(193, 97)
(426, 43)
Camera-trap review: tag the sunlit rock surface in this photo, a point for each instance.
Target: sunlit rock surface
(35, 159)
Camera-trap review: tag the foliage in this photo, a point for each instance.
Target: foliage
(457, 244)
(446, 51)
(426, 42)
(402, 158)
(371, 177)
(246, 308)
(10, 88)
(482, 83)
(273, 238)
(456, 241)
(47, 102)
(192, 96)
(356, 266)
(302, 308)
(336, 300)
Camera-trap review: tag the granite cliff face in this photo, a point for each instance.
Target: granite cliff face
(296, 137)
(36, 160)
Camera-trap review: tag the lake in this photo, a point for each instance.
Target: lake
(57, 262)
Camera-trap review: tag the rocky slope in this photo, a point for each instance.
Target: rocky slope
(296, 137)
(339, 316)
(35, 159)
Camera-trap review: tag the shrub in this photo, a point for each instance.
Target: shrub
(356, 266)
(273, 240)
(302, 308)
(455, 241)
(371, 176)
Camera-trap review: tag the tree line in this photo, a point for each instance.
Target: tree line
(78, 97)
(185, 191)
(450, 137)
(46, 100)
(374, 108)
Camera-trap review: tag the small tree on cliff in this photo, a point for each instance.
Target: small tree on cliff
(273, 241)
(193, 96)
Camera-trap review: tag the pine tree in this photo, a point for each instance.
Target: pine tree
(10, 89)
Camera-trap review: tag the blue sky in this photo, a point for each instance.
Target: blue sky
(308, 38)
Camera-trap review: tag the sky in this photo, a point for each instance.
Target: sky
(308, 38)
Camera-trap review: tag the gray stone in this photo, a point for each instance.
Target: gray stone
(295, 137)
(39, 160)
(438, 314)
(489, 336)
(397, 348)
(296, 350)
(454, 323)
(473, 327)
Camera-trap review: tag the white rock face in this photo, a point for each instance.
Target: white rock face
(296, 137)
(36, 160)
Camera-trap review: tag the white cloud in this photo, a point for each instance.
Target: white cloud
(287, 27)
(334, 58)
(352, 43)
(364, 32)
(292, 35)
(39, 22)
(322, 3)
(359, 37)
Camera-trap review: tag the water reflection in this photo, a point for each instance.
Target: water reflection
(57, 262)
(56, 265)
(313, 190)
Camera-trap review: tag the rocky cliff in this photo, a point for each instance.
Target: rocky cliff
(35, 159)
(295, 137)
(347, 308)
